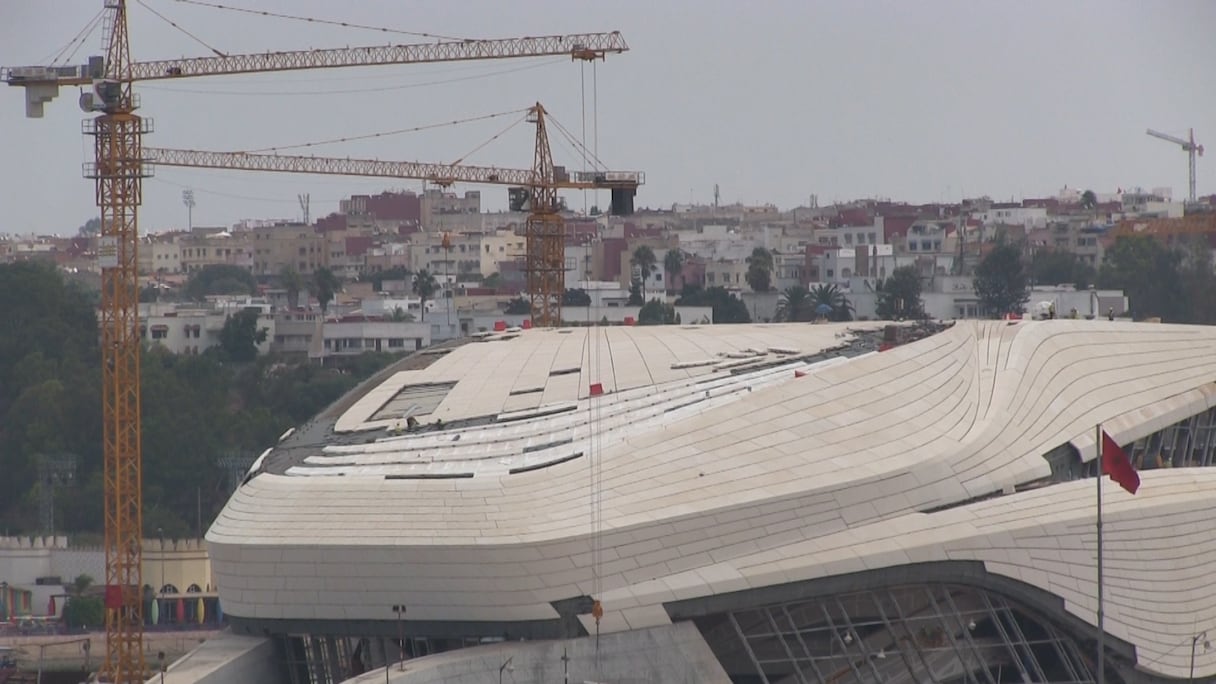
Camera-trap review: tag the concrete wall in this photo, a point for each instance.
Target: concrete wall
(670, 654)
(23, 560)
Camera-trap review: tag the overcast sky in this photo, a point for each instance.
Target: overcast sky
(922, 100)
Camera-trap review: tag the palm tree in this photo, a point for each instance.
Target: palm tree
(823, 296)
(643, 260)
(425, 287)
(673, 264)
(795, 304)
(293, 282)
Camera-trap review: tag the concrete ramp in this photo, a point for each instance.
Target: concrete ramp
(670, 654)
(228, 659)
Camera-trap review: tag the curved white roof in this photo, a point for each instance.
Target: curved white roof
(774, 478)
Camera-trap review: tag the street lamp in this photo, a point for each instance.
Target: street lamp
(1195, 642)
(400, 611)
(507, 667)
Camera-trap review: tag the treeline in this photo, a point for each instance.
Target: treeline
(197, 410)
(1170, 280)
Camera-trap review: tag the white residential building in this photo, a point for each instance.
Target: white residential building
(356, 337)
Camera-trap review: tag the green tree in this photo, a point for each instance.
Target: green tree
(644, 261)
(795, 305)
(899, 295)
(655, 312)
(673, 265)
(576, 297)
(90, 228)
(81, 584)
(636, 290)
(492, 281)
(1198, 281)
(1089, 200)
(400, 315)
(195, 409)
(759, 274)
(240, 336)
(84, 612)
(425, 286)
(726, 306)
(518, 306)
(1000, 281)
(1149, 273)
(291, 280)
(50, 392)
(324, 286)
(839, 307)
(1057, 267)
(219, 279)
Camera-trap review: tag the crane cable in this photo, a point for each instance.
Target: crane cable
(595, 123)
(313, 20)
(77, 40)
(383, 134)
(175, 25)
(595, 472)
(582, 84)
(574, 141)
(494, 137)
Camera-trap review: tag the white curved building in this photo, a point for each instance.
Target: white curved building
(816, 510)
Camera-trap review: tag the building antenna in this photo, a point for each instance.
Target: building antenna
(715, 195)
(305, 206)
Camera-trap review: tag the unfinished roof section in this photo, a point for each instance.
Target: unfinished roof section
(534, 371)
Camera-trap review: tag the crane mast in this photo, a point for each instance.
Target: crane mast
(1192, 150)
(118, 171)
(544, 236)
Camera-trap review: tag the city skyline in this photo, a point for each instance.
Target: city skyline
(927, 103)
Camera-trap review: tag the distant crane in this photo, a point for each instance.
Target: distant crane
(1190, 147)
(535, 188)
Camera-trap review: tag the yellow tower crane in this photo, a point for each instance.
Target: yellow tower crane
(119, 169)
(545, 233)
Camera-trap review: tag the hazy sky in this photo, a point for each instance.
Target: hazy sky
(919, 100)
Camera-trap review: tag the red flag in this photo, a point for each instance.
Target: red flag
(799, 374)
(1116, 464)
(597, 388)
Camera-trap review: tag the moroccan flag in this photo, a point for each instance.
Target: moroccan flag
(1116, 464)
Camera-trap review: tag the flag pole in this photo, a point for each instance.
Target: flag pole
(1101, 614)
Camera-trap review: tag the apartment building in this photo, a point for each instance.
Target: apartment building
(503, 245)
(283, 245)
(197, 250)
(348, 338)
(195, 329)
(160, 254)
(461, 254)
